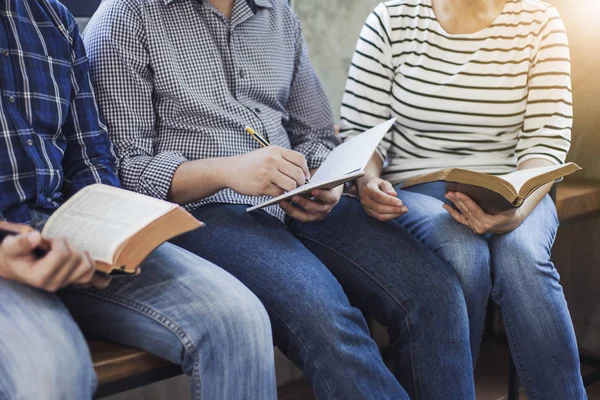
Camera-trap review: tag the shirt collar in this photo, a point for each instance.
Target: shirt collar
(258, 3)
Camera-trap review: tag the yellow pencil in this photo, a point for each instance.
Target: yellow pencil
(263, 142)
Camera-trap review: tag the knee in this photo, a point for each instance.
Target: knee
(520, 266)
(469, 257)
(243, 319)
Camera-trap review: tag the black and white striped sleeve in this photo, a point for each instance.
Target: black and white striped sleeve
(367, 97)
(548, 121)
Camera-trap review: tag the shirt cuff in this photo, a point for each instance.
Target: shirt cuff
(158, 174)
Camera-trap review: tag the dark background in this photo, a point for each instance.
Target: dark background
(82, 8)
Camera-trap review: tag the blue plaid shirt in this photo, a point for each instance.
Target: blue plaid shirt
(52, 140)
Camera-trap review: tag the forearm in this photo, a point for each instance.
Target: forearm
(195, 180)
(532, 201)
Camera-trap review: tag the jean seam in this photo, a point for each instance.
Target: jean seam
(388, 293)
(517, 357)
(158, 317)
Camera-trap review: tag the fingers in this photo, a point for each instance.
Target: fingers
(85, 271)
(299, 214)
(100, 281)
(465, 204)
(292, 171)
(270, 189)
(283, 182)
(387, 188)
(50, 272)
(383, 217)
(328, 196)
(471, 213)
(312, 206)
(374, 192)
(298, 159)
(21, 245)
(456, 215)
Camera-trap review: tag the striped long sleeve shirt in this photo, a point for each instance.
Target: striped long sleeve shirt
(52, 140)
(485, 101)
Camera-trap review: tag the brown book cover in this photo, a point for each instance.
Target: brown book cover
(495, 193)
(117, 227)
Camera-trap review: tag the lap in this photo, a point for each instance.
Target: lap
(430, 223)
(177, 299)
(259, 250)
(379, 259)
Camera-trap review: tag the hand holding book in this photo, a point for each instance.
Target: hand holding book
(49, 265)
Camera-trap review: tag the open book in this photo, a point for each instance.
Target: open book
(345, 163)
(495, 193)
(117, 227)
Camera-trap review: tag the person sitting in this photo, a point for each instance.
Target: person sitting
(181, 307)
(483, 85)
(178, 81)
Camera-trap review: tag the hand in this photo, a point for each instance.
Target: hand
(480, 222)
(270, 171)
(60, 267)
(315, 209)
(379, 199)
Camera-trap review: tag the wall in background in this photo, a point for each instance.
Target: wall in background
(331, 29)
(581, 18)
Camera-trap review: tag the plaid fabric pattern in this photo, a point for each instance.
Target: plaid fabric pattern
(52, 141)
(177, 81)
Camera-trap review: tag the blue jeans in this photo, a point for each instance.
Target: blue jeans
(180, 308)
(515, 268)
(316, 286)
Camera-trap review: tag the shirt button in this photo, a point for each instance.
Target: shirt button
(29, 142)
(5, 53)
(242, 74)
(11, 99)
(258, 111)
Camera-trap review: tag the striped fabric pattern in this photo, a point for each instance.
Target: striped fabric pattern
(53, 141)
(485, 101)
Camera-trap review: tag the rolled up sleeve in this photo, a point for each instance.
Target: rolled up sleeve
(120, 68)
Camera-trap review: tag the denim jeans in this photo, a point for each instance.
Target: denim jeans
(180, 308)
(515, 268)
(305, 286)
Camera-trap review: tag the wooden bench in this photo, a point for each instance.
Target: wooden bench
(122, 368)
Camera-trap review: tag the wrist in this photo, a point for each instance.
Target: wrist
(226, 171)
(363, 180)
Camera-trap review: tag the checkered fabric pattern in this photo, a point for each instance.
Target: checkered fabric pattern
(53, 142)
(176, 81)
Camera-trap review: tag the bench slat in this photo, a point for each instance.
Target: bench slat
(114, 362)
(576, 198)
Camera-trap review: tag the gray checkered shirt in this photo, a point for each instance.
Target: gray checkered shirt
(177, 81)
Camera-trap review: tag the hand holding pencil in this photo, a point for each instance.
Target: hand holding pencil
(268, 171)
(264, 143)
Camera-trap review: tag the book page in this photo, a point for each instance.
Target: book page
(346, 162)
(100, 218)
(351, 156)
(519, 178)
